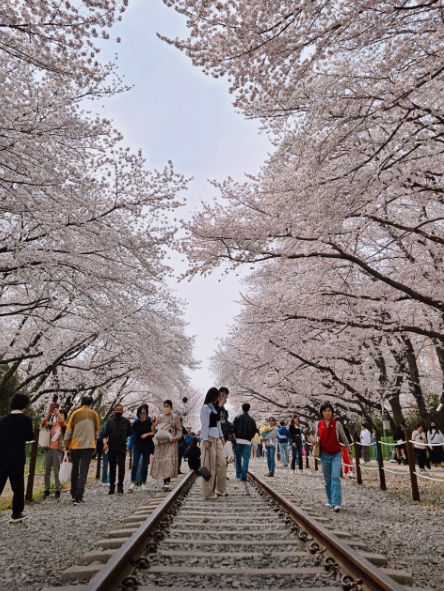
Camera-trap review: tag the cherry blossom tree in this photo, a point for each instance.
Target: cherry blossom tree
(351, 97)
(85, 227)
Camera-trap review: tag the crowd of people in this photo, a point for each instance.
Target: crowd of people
(159, 444)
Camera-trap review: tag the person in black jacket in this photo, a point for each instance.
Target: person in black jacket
(193, 454)
(15, 431)
(244, 429)
(296, 444)
(117, 430)
(143, 445)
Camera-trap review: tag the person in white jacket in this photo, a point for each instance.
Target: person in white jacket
(435, 440)
(366, 440)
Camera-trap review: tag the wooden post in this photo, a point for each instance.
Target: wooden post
(99, 464)
(32, 464)
(411, 460)
(307, 463)
(357, 457)
(380, 462)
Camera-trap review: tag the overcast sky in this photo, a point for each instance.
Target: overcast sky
(175, 112)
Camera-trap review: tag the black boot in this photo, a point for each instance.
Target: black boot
(111, 490)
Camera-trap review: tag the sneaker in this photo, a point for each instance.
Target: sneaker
(328, 505)
(293, 472)
(57, 494)
(144, 487)
(104, 483)
(46, 494)
(76, 502)
(131, 487)
(120, 490)
(111, 491)
(336, 508)
(212, 497)
(17, 518)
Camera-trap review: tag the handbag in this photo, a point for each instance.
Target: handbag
(203, 471)
(44, 437)
(163, 436)
(65, 469)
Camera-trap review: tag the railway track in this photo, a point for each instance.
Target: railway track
(255, 538)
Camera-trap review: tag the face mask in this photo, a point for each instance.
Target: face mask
(118, 415)
(167, 410)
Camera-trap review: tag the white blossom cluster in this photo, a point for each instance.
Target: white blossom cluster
(84, 226)
(344, 223)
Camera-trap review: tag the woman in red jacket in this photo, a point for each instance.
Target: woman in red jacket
(331, 435)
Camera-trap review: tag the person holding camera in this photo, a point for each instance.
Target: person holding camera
(54, 453)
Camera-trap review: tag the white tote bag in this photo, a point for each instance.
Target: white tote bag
(44, 437)
(228, 451)
(65, 469)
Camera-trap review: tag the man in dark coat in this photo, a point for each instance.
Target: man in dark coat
(117, 430)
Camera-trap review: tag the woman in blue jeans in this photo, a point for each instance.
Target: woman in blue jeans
(143, 445)
(270, 446)
(331, 435)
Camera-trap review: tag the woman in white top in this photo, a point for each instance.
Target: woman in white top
(213, 457)
(419, 439)
(436, 451)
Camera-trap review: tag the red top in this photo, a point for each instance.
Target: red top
(329, 439)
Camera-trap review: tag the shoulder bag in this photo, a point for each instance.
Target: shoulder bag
(203, 471)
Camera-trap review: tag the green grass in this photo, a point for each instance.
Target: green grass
(39, 467)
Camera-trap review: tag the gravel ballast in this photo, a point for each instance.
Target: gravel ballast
(56, 534)
(35, 552)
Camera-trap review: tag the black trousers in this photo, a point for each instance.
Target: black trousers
(423, 460)
(81, 459)
(181, 452)
(116, 459)
(16, 475)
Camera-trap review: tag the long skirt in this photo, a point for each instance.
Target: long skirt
(165, 461)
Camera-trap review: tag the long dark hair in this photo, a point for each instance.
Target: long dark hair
(212, 396)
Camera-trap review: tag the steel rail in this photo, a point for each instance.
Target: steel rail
(353, 563)
(121, 563)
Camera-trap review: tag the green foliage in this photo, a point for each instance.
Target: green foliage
(413, 418)
(35, 413)
(7, 388)
(100, 407)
